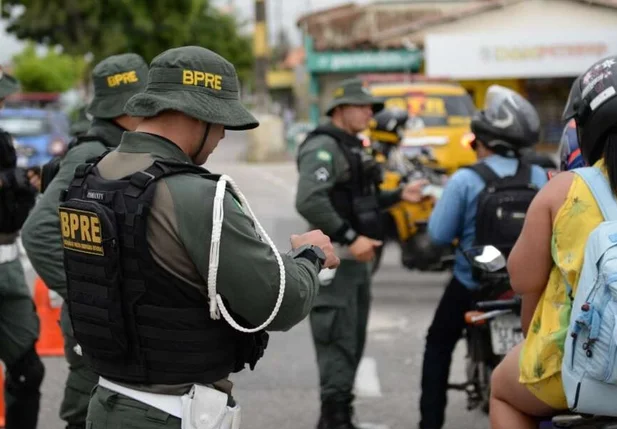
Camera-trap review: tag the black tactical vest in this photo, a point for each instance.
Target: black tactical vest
(356, 200)
(136, 322)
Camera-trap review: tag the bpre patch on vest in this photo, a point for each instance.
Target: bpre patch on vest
(81, 231)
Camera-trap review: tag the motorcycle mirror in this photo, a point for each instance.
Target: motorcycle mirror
(487, 258)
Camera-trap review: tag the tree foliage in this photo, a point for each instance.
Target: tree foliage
(146, 27)
(52, 72)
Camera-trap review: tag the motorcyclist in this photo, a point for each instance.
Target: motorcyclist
(549, 253)
(506, 124)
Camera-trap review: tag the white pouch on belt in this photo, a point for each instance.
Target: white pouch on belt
(206, 408)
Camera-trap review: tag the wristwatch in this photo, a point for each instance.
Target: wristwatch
(312, 253)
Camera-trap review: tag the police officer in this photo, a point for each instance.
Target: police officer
(116, 79)
(338, 193)
(19, 323)
(507, 124)
(138, 227)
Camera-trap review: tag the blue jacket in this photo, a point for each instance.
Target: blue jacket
(454, 216)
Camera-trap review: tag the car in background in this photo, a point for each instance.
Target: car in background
(39, 134)
(440, 116)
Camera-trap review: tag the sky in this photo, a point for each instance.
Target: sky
(279, 13)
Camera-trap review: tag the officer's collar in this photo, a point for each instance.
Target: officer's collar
(107, 130)
(157, 146)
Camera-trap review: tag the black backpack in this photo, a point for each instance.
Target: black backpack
(502, 206)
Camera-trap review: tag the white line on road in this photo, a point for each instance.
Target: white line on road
(367, 381)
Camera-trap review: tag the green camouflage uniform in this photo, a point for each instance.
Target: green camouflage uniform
(41, 232)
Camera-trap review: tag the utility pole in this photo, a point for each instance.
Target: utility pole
(261, 56)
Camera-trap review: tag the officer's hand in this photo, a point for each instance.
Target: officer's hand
(363, 248)
(321, 240)
(412, 192)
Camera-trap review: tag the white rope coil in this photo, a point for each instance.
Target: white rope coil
(216, 302)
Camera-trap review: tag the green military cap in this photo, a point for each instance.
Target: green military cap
(352, 91)
(197, 82)
(8, 84)
(116, 79)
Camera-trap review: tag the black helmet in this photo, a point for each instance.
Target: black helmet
(574, 98)
(507, 123)
(388, 125)
(593, 105)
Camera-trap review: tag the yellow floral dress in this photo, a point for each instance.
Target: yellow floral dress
(542, 352)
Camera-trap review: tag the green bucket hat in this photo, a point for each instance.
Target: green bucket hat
(8, 84)
(352, 91)
(116, 79)
(197, 82)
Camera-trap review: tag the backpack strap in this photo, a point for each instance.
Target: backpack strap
(523, 173)
(485, 172)
(601, 190)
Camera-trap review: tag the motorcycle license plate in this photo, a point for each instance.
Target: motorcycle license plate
(506, 332)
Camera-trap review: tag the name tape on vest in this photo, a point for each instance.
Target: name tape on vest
(208, 80)
(122, 79)
(81, 231)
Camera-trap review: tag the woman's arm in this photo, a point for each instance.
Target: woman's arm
(530, 262)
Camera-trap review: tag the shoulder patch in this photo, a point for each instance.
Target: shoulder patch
(323, 155)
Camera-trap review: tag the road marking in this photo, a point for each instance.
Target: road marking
(372, 426)
(367, 381)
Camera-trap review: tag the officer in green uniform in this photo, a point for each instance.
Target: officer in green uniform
(338, 193)
(147, 273)
(81, 123)
(116, 79)
(19, 323)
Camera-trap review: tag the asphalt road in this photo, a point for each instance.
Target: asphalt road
(282, 391)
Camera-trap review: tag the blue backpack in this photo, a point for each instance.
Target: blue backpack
(589, 367)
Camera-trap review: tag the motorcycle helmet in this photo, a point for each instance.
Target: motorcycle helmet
(507, 123)
(593, 105)
(388, 125)
(569, 153)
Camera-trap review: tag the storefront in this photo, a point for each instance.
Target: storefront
(327, 68)
(541, 64)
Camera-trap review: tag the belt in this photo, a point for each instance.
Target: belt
(8, 253)
(169, 403)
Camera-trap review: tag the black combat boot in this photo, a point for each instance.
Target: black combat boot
(336, 415)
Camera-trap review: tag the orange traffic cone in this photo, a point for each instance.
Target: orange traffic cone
(1, 396)
(48, 305)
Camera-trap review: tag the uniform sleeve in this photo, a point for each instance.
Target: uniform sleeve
(319, 166)
(447, 218)
(41, 231)
(248, 272)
